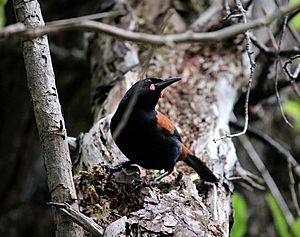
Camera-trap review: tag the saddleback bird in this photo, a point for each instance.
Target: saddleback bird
(147, 137)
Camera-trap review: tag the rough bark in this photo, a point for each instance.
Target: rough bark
(48, 114)
(200, 105)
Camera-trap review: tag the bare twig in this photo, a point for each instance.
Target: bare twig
(291, 29)
(21, 30)
(271, 51)
(293, 189)
(259, 93)
(252, 66)
(73, 54)
(293, 76)
(277, 47)
(248, 179)
(269, 141)
(248, 4)
(72, 141)
(226, 7)
(206, 15)
(268, 178)
(146, 64)
(91, 17)
(80, 219)
(296, 37)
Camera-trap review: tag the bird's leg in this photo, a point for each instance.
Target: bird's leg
(119, 167)
(128, 173)
(159, 177)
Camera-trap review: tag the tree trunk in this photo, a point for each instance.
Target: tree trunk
(200, 105)
(48, 114)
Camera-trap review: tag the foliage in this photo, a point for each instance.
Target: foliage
(296, 20)
(2, 12)
(296, 227)
(292, 108)
(239, 227)
(280, 223)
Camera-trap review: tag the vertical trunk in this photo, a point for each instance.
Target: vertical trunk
(48, 114)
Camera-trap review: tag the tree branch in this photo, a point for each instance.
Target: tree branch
(269, 141)
(268, 178)
(188, 37)
(80, 219)
(271, 51)
(252, 66)
(48, 114)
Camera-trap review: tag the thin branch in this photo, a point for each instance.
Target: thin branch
(271, 51)
(296, 37)
(277, 47)
(248, 4)
(206, 15)
(80, 219)
(248, 179)
(74, 54)
(91, 17)
(21, 30)
(268, 178)
(152, 48)
(252, 66)
(259, 94)
(226, 7)
(293, 189)
(269, 141)
(291, 29)
(290, 61)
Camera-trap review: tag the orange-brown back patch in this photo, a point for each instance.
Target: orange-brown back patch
(185, 152)
(164, 123)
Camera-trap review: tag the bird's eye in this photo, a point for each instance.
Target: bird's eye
(152, 87)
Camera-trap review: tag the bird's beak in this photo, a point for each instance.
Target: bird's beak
(165, 83)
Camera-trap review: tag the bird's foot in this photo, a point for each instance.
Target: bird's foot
(152, 182)
(119, 167)
(138, 184)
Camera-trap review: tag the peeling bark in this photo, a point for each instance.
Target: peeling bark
(48, 114)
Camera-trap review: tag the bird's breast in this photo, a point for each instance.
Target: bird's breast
(142, 142)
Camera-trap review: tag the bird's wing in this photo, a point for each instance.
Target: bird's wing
(166, 126)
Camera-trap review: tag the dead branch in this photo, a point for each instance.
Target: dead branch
(21, 30)
(80, 219)
(252, 66)
(268, 178)
(272, 143)
(268, 51)
(295, 75)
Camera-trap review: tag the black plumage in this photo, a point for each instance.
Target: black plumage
(147, 137)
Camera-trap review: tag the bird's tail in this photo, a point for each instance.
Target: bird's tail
(204, 172)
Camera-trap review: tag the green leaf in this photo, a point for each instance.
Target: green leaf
(296, 227)
(280, 223)
(292, 108)
(296, 19)
(2, 12)
(239, 227)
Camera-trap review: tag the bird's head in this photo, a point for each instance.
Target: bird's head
(149, 90)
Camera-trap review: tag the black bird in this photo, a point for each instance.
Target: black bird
(147, 137)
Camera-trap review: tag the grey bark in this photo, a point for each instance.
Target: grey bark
(48, 114)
